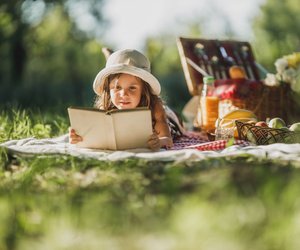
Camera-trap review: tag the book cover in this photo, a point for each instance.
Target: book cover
(119, 129)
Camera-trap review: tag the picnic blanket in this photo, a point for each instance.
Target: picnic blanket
(187, 148)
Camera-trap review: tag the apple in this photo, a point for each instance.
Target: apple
(295, 127)
(261, 124)
(276, 123)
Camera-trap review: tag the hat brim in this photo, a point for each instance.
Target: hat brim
(128, 69)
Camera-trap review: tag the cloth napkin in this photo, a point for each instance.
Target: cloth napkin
(200, 142)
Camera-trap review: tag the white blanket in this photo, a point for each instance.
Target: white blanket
(60, 145)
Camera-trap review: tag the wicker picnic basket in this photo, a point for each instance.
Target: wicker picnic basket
(264, 135)
(200, 57)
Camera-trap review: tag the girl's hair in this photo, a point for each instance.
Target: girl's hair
(148, 99)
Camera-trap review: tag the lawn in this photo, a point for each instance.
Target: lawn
(62, 202)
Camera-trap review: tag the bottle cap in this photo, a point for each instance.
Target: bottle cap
(209, 80)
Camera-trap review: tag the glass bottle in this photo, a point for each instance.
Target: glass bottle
(209, 105)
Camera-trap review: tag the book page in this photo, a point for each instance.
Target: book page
(94, 126)
(132, 128)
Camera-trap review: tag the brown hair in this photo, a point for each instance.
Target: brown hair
(148, 99)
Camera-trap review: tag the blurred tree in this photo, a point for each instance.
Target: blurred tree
(277, 30)
(62, 63)
(47, 56)
(11, 14)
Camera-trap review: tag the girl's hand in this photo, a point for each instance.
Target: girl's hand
(166, 142)
(73, 137)
(154, 142)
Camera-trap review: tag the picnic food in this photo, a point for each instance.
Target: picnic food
(276, 123)
(237, 72)
(265, 135)
(238, 114)
(295, 127)
(228, 120)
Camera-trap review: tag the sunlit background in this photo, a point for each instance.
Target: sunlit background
(132, 22)
(51, 50)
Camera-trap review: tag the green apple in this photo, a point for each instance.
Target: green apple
(295, 127)
(276, 123)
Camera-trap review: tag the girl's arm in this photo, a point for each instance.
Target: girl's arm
(162, 136)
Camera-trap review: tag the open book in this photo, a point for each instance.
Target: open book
(115, 130)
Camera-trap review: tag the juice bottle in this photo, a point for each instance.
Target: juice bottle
(209, 105)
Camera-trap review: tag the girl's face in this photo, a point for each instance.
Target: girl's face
(126, 91)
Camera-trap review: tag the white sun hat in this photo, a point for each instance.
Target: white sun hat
(127, 61)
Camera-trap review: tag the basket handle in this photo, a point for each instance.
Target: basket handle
(196, 67)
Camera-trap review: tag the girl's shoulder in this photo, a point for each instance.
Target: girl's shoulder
(165, 113)
(161, 109)
(174, 121)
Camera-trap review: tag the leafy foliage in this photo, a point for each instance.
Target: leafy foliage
(277, 30)
(47, 61)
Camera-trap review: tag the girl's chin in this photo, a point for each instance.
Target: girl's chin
(125, 106)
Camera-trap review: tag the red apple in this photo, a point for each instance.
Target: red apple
(261, 124)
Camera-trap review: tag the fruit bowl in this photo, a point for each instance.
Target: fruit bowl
(264, 135)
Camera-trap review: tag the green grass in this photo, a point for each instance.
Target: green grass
(61, 202)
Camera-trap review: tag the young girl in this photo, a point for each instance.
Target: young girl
(125, 83)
